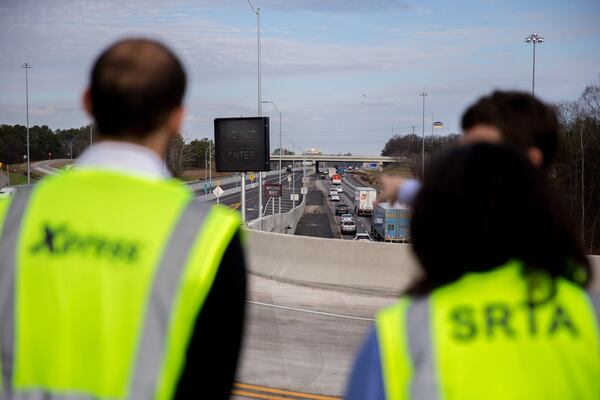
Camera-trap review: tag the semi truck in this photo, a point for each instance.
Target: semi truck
(364, 199)
(331, 171)
(336, 179)
(391, 223)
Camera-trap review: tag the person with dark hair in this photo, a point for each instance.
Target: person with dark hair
(515, 118)
(500, 311)
(115, 282)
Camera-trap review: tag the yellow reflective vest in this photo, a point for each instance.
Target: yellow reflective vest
(102, 276)
(478, 338)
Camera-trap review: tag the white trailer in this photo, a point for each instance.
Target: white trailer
(364, 199)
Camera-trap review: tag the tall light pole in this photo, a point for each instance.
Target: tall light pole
(293, 174)
(423, 95)
(27, 66)
(278, 113)
(535, 39)
(260, 174)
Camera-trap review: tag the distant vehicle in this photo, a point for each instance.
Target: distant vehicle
(364, 198)
(363, 236)
(289, 168)
(346, 217)
(336, 179)
(333, 191)
(334, 197)
(348, 227)
(338, 188)
(341, 209)
(391, 223)
(7, 191)
(331, 172)
(322, 175)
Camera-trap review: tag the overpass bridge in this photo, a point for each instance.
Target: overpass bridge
(334, 158)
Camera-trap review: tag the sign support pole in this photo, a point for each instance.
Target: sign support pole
(243, 192)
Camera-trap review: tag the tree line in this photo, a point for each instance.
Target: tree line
(576, 170)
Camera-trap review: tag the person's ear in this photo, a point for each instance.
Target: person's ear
(86, 101)
(536, 157)
(175, 121)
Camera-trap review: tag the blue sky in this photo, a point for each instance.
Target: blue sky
(344, 73)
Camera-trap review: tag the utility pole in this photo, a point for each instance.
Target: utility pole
(91, 136)
(27, 66)
(423, 94)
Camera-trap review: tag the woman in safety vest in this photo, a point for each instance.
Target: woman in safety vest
(501, 310)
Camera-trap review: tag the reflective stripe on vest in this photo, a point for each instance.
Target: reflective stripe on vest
(475, 339)
(179, 285)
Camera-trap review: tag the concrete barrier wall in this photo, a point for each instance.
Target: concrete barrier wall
(279, 222)
(363, 266)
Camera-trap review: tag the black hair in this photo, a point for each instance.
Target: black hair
(135, 85)
(523, 120)
(483, 205)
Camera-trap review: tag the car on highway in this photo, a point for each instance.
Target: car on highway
(341, 209)
(348, 227)
(332, 192)
(334, 197)
(7, 192)
(346, 217)
(363, 236)
(338, 188)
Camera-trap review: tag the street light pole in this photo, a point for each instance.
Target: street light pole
(27, 66)
(260, 173)
(423, 94)
(535, 39)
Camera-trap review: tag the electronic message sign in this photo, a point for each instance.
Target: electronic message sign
(242, 144)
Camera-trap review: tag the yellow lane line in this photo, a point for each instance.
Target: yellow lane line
(267, 389)
(253, 395)
(234, 206)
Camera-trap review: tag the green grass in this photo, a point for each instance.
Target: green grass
(18, 179)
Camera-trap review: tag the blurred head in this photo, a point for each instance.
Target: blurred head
(484, 204)
(136, 90)
(516, 118)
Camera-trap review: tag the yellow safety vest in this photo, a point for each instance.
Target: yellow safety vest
(102, 276)
(477, 338)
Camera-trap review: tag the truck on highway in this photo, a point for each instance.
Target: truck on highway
(391, 223)
(331, 172)
(336, 179)
(364, 199)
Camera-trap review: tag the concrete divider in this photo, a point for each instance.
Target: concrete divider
(343, 264)
(280, 222)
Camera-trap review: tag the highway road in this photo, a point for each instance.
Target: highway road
(234, 200)
(300, 341)
(363, 224)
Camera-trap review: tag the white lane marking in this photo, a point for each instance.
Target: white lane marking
(260, 303)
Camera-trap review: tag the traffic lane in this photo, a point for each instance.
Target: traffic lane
(302, 338)
(362, 223)
(234, 200)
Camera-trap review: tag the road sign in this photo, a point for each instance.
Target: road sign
(373, 165)
(218, 191)
(242, 144)
(304, 190)
(295, 196)
(289, 178)
(251, 177)
(273, 189)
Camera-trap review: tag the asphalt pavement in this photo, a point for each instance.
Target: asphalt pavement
(363, 224)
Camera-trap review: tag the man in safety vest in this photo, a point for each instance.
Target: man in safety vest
(115, 282)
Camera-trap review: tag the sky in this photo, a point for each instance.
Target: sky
(345, 74)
